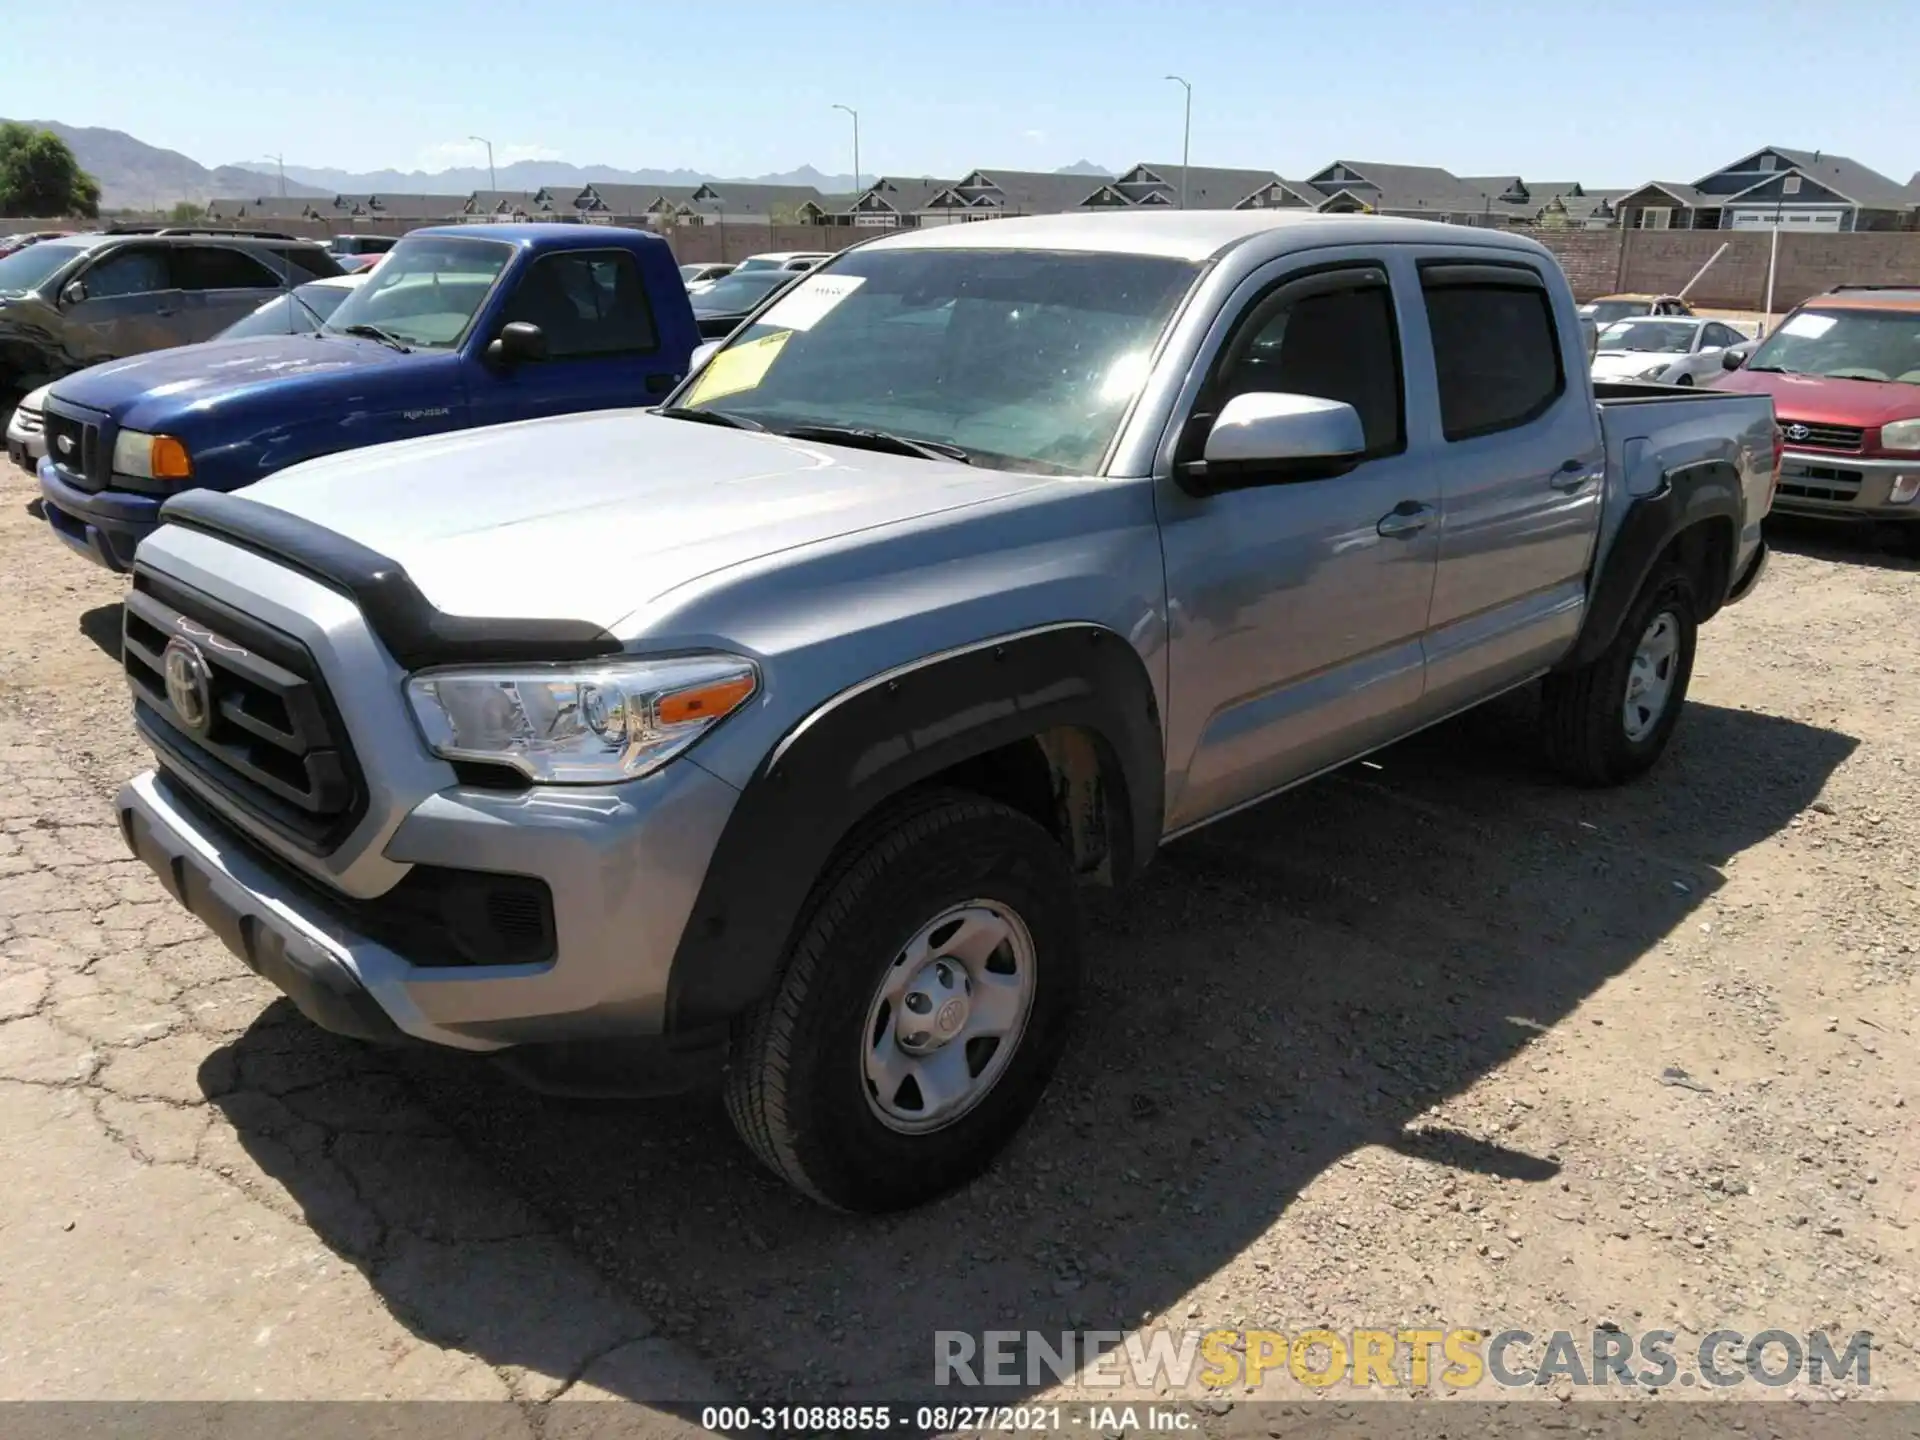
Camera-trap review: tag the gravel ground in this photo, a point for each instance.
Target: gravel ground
(1433, 1040)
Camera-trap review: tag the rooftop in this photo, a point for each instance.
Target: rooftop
(1188, 234)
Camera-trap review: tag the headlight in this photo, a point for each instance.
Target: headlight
(151, 457)
(587, 724)
(1653, 372)
(1901, 434)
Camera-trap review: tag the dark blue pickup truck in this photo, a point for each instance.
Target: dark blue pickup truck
(460, 325)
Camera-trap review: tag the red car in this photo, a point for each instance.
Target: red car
(1844, 374)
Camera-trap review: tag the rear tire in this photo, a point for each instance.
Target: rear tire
(824, 1083)
(1609, 721)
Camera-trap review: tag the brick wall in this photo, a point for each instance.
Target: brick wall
(1591, 258)
(1658, 260)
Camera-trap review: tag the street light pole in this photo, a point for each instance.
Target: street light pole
(856, 144)
(1186, 137)
(492, 184)
(279, 161)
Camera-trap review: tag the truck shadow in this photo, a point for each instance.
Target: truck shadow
(1283, 991)
(1856, 544)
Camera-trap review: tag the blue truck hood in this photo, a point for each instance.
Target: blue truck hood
(161, 389)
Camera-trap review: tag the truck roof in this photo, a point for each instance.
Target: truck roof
(546, 234)
(1869, 297)
(1194, 234)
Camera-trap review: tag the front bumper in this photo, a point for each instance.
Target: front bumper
(623, 870)
(104, 525)
(1837, 486)
(26, 447)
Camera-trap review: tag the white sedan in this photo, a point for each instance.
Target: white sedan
(26, 431)
(1673, 350)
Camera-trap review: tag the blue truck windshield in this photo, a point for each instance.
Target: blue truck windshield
(427, 291)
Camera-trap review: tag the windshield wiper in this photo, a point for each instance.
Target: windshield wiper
(879, 440)
(708, 417)
(374, 332)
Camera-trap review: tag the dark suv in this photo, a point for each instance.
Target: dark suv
(75, 301)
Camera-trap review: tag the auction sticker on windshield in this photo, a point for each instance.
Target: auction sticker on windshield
(737, 368)
(1811, 326)
(807, 303)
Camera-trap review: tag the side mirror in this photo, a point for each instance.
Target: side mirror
(701, 354)
(520, 341)
(73, 292)
(1733, 357)
(1265, 438)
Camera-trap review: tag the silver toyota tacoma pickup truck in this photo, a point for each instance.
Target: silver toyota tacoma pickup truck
(767, 735)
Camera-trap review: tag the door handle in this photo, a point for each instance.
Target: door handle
(1572, 475)
(1405, 520)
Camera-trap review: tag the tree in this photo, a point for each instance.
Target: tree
(187, 213)
(39, 176)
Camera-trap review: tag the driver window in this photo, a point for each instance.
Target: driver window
(136, 270)
(1336, 344)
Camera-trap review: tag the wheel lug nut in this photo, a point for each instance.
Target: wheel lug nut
(919, 1004)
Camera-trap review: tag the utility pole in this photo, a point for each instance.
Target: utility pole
(856, 144)
(282, 164)
(1186, 137)
(492, 184)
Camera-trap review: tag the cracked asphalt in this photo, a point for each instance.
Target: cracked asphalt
(1435, 1040)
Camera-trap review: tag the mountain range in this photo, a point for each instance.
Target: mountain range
(136, 175)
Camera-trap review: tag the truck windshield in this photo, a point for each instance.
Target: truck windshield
(27, 269)
(1845, 344)
(1651, 336)
(1025, 360)
(427, 291)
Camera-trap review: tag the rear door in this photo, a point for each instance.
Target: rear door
(1298, 605)
(226, 283)
(1520, 464)
(132, 304)
(603, 345)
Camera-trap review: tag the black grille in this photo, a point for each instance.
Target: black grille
(1822, 437)
(1819, 482)
(271, 744)
(435, 916)
(73, 445)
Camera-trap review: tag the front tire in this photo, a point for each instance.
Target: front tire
(1609, 721)
(924, 1003)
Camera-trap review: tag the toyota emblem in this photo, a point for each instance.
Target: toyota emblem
(189, 684)
(1798, 432)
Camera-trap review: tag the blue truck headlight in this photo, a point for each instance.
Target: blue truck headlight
(151, 457)
(589, 724)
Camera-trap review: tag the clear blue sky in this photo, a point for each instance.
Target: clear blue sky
(1605, 93)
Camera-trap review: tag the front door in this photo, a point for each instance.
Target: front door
(1520, 466)
(1297, 607)
(603, 348)
(132, 304)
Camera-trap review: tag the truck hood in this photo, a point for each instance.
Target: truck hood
(590, 517)
(145, 390)
(1825, 400)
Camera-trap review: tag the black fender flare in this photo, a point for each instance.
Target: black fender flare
(1688, 496)
(881, 737)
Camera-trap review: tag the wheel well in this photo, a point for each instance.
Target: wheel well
(1705, 551)
(1068, 781)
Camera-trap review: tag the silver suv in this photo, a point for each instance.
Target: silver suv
(78, 300)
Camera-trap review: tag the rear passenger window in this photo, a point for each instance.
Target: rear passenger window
(1495, 351)
(212, 267)
(587, 302)
(1324, 338)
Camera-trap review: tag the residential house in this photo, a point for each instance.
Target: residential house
(1794, 189)
(894, 202)
(1207, 187)
(728, 202)
(829, 210)
(266, 208)
(989, 194)
(1555, 204)
(1423, 192)
(389, 207)
(509, 205)
(607, 203)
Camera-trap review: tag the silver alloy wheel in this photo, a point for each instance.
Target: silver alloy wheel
(948, 1016)
(1650, 677)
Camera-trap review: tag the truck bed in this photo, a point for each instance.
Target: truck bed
(1654, 430)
